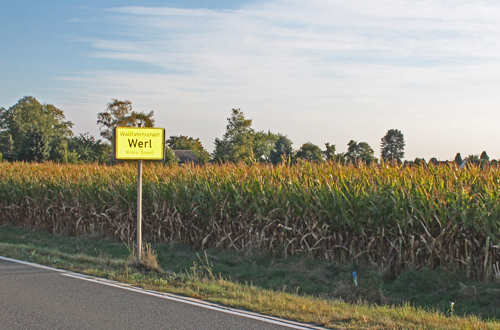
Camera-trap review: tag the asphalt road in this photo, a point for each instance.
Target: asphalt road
(42, 298)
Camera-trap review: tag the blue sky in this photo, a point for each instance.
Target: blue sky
(319, 71)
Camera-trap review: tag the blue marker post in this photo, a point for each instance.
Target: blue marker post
(355, 278)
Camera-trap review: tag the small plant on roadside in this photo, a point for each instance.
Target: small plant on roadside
(204, 269)
(207, 266)
(149, 257)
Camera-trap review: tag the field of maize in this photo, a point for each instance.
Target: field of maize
(398, 218)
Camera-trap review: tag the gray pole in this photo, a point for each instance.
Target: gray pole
(139, 211)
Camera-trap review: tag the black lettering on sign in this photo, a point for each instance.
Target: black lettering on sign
(134, 143)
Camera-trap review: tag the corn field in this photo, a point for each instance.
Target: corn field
(398, 218)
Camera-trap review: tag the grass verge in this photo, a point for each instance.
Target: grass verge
(307, 290)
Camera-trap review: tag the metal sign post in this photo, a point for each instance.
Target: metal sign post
(139, 143)
(139, 211)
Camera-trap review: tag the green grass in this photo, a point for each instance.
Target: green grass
(297, 288)
(66, 244)
(438, 288)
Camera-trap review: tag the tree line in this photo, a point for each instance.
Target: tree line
(241, 143)
(35, 132)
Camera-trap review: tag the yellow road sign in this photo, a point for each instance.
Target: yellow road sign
(139, 143)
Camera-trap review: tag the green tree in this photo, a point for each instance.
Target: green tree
(420, 162)
(8, 151)
(120, 114)
(484, 157)
(182, 142)
(340, 158)
(282, 150)
(357, 152)
(330, 155)
(35, 146)
(28, 114)
(329, 152)
(170, 157)
(458, 159)
(237, 143)
(59, 151)
(263, 143)
(310, 152)
(88, 149)
(392, 146)
(221, 153)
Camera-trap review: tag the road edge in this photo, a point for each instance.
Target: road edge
(173, 297)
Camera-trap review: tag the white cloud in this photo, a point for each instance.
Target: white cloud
(320, 71)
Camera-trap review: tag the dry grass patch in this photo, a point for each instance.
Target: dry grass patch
(149, 257)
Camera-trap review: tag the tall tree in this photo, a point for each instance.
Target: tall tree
(392, 146)
(263, 143)
(28, 114)
(484, 156)
(90, 150)
(182, 142)
(35, 146)
(357, 152)
(60, 152)
(237, 143)
(282, 150)
(120, 114)
(8, 150)
(310, 152)
(329, 152)
(458, 159)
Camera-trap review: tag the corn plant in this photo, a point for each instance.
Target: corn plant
(397, 217)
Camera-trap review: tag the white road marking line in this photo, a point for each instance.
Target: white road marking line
(170, 296)
(33, 264)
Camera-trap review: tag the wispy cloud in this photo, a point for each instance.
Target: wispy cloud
(76, 20)
(302, 67)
